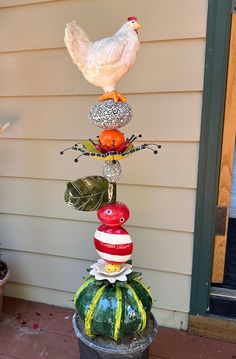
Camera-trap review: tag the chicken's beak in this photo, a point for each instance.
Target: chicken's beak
(138, 26)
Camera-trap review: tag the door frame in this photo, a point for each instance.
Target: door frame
(226, 166)
(216, 63)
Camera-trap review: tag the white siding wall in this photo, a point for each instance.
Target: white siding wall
(47, 244)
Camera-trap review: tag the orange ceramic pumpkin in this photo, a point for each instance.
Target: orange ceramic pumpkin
(111, 138)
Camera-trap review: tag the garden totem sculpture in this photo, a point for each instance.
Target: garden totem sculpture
(112, 301)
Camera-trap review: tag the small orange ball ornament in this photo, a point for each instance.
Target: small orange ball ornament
(110, 138)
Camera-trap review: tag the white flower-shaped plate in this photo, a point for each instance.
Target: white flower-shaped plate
(99, 272)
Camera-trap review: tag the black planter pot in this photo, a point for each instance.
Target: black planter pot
(108, 349)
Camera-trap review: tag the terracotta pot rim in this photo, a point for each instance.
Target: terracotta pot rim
(5, 279)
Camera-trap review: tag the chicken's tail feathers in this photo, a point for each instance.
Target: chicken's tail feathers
(77, 43)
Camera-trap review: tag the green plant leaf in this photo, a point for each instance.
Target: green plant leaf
(90, 193)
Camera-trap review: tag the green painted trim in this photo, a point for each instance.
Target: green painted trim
(216, 60)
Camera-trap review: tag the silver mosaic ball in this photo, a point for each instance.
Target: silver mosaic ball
(110, 115)
(112, 171)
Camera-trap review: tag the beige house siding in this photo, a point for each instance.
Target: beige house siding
(47, 244)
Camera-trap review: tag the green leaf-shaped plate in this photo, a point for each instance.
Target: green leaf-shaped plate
(90, 193)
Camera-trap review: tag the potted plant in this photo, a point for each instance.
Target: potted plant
(4, 276)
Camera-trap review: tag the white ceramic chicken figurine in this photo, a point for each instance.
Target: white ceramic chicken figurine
(104, 62)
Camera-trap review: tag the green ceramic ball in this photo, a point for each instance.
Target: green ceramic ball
(113, 310)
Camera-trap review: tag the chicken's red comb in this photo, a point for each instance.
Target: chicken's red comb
(132, 18)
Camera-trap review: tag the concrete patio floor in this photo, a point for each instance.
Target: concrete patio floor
(31, 330)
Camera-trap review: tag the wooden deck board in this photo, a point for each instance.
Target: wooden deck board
(55, 338)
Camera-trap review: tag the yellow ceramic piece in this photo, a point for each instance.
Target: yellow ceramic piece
(112, 267)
